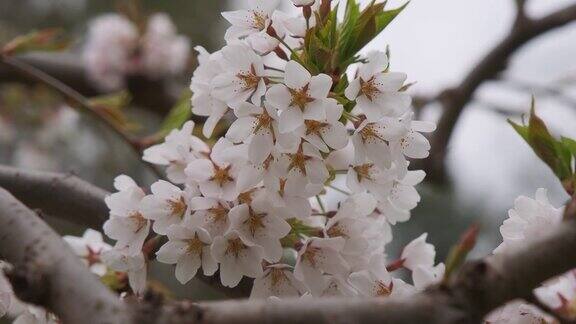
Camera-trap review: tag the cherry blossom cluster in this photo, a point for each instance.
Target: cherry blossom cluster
(260, 202)
(529, 220)
(116, 47)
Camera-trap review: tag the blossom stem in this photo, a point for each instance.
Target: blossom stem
(292, 51)
(273, 68)
(349, 116)
(76, 100)
(339, 190)
(321, 204)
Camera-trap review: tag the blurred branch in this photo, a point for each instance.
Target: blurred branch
(454, 100)
(75, 99)
(75, 200)
(157, 96)
(46, 272)
(536, 89)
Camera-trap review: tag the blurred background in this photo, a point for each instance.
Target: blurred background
(435, 42)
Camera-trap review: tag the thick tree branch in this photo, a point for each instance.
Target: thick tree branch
(454, 100)
(60, 195)
(73, 199)
(479, 288)
(157, 96)
(47, 272)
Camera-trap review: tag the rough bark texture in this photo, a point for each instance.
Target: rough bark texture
(47, 272)
(60, 195)
(480, 287)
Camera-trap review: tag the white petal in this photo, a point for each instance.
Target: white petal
(296, 76)
(291, 119)
(320, 86)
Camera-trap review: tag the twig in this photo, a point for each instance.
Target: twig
(454, 100)
(156, 96)
(77, 100)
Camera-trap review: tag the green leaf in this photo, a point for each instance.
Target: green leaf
(112, 106)
(50, 39)
(179, 114)
(347, 35)
(360, 28)
(570, 144)
(385, 18)
(555, 153)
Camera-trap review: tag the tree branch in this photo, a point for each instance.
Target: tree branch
(478, 289)
(47, 272)
(77, 100)
(454, 100)
(73, 199)
(157, 96)
(60, 195)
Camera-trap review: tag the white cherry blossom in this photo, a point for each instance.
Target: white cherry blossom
(372, 140)
(518, 312)
(328, 133)
(530, 219)
(291, 194)
(257, 223)
(260, 125)
(126, 224)
(301, 97)
(134, 264)
(236, 258)
(277, 281)
(243, 77)
(111, 40)
(252, 21)
(164, 52)
(412, 144)
(167, 205)
(376, 91)
(89, 248)
(336, 286)
(211, 214)
(559, 293)
(418, 253)
(204, 103)
(317, 257)
(305, 162)
(216, 177)
(188, 247)
(375, 281)
(179, 148)
(424, 276)
(402, 196)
